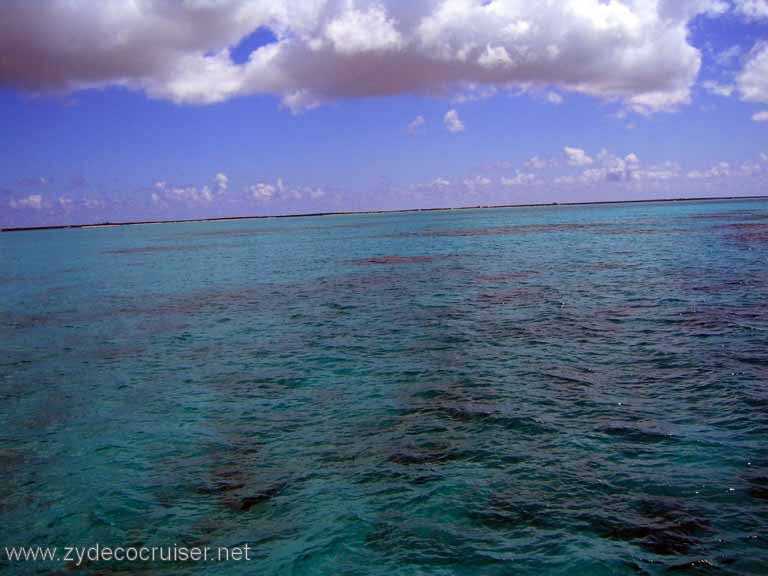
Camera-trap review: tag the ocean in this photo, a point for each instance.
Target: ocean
(564, 390)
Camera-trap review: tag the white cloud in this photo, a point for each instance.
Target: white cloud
(298, 101)
(608, 167)
(662, 171)
(617, 169)
(519, 179)
(288, 192)
(477, 182)
(536, 163)
(417, 123)
(610, 171)
(316, 193)
(724, 90)
(193, 195)
(93, 203)
(577, 156)
(752, 9)
(719, 170)
(262, 192)
(440, 183)
(222, 182)
(452, 121)
(474, 93)
(676, 8)
(190, 194)
(495, 57)
(728, 56)
(637, 51)
(627, 171)
(265, 192)
(554, 98)
(34, 201)
(760, 116)
(753, 79)
(356, 31)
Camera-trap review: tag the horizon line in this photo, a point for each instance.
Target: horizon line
(373, 212)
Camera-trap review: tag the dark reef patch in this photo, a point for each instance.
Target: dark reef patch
(504, 230)
(154, 249)
(730, 215)
(606, 266)
(234, 233)
(164, 248)
(662, 527)
(10, 279)
(25, 321)
(506, 277)
(395, 260)
(478, 417)
(505, 511)
(629, 434)
(758, 487)
(518, 296)
(425, 457)
(260, 497)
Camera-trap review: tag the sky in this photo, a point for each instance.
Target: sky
(125, 110)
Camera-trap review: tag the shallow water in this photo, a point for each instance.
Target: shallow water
(559, 390)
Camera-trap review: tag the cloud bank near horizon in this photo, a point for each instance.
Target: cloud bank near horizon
(633, 51)
(575, 174)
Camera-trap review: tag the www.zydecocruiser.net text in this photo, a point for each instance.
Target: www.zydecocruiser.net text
(79, 555)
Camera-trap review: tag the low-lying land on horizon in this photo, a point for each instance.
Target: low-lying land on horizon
(404, 210)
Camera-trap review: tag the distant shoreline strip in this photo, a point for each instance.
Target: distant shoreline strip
(365, 212)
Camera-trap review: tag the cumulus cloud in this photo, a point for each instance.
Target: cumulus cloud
(609, 167)
(356, 32)
(728, 56)
(555, 98)
(753, 79)
(440, 183)
(536, 163)
(615, 168)
(577, 156)
(417, 123)
(752, 9)
(761, 116)
(609, 170)
(191, 195)
(719, 170)
(222, 182)
(476, 183)
(636, 51)
(452, 121)
(262, 192)
(34, 201)
(519, 179)
(724, 90)
(659, 172)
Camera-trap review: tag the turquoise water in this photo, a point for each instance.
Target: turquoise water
(560, 390)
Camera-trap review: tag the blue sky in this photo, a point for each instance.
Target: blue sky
(346, 105)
